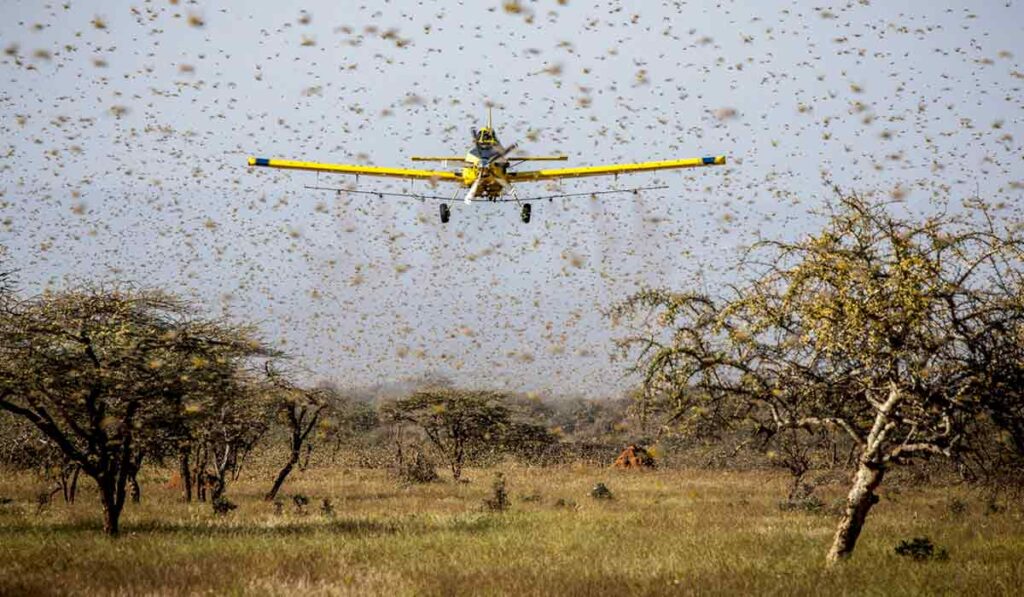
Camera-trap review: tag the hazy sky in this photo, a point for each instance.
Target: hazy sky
(126, 126)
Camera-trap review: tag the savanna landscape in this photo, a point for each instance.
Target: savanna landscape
(797, 368)
(663, 532)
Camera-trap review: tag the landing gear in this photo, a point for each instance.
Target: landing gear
(525, 214)
(445, 213)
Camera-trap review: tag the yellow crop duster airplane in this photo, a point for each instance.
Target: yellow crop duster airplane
(487, 172)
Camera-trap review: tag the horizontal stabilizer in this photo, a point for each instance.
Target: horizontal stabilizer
(438, 158)
(537, 158)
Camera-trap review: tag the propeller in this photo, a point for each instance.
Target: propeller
(473, 189)
(483, 166)
(499, 156)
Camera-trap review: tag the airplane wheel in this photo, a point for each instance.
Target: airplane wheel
(525, 215)
(445, 213)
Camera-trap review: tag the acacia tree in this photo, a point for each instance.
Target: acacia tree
(101, 372)
(900, 334)
(224, 428)
(301, 410)
(456, 422)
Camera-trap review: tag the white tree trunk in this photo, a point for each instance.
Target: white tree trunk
(858, 503)
(870, 470)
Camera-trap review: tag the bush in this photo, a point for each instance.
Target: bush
(222, 505)
(498, 502)
(957, 507)
(418, 469)
(921, 549)
(810, 503)
(300, 502)
(601, 492)
(564, 503)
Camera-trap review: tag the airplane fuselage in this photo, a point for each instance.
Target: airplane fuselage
(486, 162)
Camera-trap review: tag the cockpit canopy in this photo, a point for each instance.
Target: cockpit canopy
(484, 137)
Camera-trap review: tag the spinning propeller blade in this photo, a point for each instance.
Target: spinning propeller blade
(472, 190)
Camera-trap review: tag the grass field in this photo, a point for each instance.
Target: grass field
(664, 532)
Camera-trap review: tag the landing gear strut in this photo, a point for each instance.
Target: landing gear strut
(525, 214)
(445, 213)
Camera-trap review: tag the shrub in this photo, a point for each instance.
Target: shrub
(222, 505)
(601, 492)
(809, 503)
(418, 469)
(957, 507)
(921, 549)
(300, 502)
(498, 502)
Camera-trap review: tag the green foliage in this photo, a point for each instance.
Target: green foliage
(108, 375)
(458, 423)
(417, 469)
(906, 336)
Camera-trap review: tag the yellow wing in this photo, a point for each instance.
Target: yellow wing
(609, 169)
(358, 170)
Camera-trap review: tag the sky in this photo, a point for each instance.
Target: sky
(126, 127)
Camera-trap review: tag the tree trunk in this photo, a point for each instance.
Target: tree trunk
(185, 472)
(73, 486)
(281, 476)
(134, 489)
(111, 507)
(859, 501)
(199, 476)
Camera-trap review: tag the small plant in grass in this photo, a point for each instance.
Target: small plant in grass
(498, 502)
(957, 507)
(601, 492)
(418, 469)
(300, 502)
(564, 503)
(811, 503)
(326, 507)
(992, 505)
(278, 507)
(921, 549)
(42, 502)
(801, 497)
(222, 505)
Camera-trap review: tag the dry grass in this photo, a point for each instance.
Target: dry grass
(666, 532)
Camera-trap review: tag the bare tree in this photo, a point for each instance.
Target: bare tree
(899, 334)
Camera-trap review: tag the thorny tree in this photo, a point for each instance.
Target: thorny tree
(301, 410)
(457, 422)
(901, 334)
(102, 372)
(221, 430)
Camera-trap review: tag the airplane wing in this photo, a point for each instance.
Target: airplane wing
(612, 169)
(439, 175)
